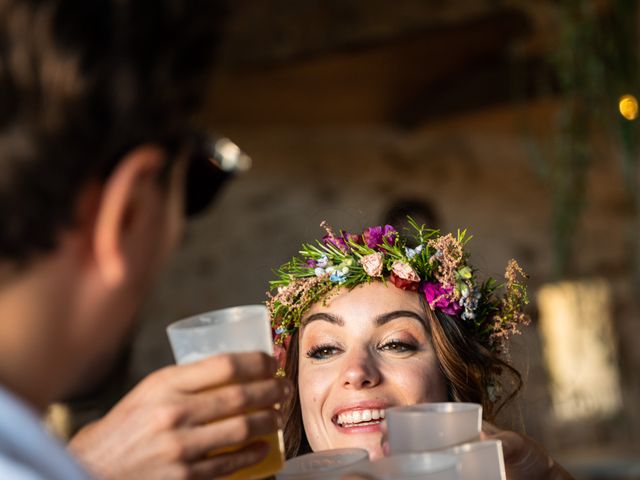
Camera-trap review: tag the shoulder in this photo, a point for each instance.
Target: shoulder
(9, 468)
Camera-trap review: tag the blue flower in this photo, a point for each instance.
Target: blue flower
(279, 330)
(412, 252)
(338, 277)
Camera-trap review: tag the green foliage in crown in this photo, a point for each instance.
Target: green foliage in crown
(424, 261)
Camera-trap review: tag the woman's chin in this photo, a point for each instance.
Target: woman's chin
(371, 445)
(375, 453)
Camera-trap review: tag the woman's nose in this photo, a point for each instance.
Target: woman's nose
(360, 371)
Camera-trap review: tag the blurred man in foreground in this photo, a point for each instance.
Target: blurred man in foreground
(96, 99)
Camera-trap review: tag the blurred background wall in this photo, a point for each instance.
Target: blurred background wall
(504, 117)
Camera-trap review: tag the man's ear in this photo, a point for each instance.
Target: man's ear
(131, 199)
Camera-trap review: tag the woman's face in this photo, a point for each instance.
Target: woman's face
(363, 351)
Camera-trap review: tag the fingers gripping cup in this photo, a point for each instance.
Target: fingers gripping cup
(432, 426)
(230, 330)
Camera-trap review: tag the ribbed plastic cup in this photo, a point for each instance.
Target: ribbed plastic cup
(432, 426)
(325, 465)
(236, 329)
(412, 466)
(480, 460)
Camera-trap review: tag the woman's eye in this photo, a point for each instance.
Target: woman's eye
(322, 351)
(398, 347)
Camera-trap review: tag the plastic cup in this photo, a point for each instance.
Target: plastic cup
(412, 466)
(325, 465)
(480, 460)
(237, 329)
(432, 426)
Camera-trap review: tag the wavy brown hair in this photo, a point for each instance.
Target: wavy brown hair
(470, 370)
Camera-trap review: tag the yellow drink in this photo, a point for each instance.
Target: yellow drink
(271, 464)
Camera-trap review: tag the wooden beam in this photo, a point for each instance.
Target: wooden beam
(363, 85)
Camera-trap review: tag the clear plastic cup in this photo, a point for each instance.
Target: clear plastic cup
(325, 465)
(411, 466)
(432, 426)
(480, 460)
(237, 329)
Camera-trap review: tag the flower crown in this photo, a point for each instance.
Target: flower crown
(424, 261)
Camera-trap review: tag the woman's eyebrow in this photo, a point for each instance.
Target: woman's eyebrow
(387, 317)
(327, 317)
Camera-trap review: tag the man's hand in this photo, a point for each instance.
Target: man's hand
(524, 458)
(169, 424)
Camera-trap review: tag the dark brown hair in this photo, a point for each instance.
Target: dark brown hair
(469, 370)
(82, 82)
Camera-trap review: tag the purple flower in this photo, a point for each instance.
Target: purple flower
(374, 236)
(311, 263)
(336, 242)
(391, 234)
(437, 296)
(351, 237)
(341, 241)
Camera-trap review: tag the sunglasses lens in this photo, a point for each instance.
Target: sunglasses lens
(212, 163)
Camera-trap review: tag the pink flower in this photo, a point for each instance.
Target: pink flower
(372, 264)
(404, 271)
(437, 296)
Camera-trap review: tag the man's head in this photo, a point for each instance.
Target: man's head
(96, 99)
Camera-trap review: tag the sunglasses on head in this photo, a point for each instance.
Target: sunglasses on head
(213, 161)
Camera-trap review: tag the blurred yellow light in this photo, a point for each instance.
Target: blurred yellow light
(628, 106)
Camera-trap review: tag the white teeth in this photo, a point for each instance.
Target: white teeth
(360, 417)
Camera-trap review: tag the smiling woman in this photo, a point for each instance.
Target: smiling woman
(366, 350)
(367, 322)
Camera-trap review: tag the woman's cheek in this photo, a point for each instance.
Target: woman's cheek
(317, 381)
(418, 381)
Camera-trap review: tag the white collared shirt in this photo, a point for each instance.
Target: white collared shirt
(27, 450)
